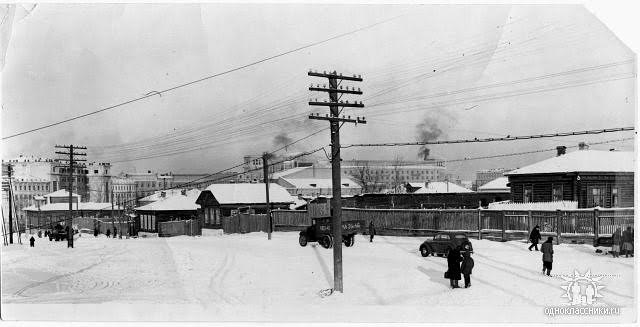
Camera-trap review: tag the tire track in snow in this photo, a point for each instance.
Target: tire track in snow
(58, 277)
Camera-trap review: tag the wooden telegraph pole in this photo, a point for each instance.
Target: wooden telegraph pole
(335, 121)
(71, 160)
(10, 198)
(265, 178)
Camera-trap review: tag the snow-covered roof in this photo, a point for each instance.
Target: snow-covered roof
(287, 172)
(442, 187)
(498, 184)
(60, 193)
(158, 194)
(298, 203)
(301, 183)
(177, 202)
(582, 161)
(93, 206)
(245, 193)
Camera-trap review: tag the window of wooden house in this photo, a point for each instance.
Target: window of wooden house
(615, 199)
(527, 193)
(597, 196)
(557, 192)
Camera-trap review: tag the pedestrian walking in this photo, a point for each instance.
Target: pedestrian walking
(535, 237)
(32, 241)
(453, 262)
(466, 268)
(616, 243)
(547, 255)
(108, 233)
(372, 231)
(627, 242)
(39, 234)
(115, 232)
(95, 232)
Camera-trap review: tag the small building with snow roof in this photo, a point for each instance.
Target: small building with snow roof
(174, 206)
(589, 177)
(224, 200)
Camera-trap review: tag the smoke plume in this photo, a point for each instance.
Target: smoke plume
(281, 139)
(428, 130)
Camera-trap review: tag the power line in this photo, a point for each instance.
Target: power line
(154, 93)
(494, 139)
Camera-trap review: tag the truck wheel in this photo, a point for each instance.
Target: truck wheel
(302, 240)
(350, 241)
(326, 241)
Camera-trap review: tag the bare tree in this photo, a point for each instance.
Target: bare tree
(366, 177)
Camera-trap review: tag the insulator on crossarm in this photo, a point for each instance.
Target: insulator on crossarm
(326, 115)
(324, 71)
(347, 101)
(358, 89)
(359, 76)
(349, 117)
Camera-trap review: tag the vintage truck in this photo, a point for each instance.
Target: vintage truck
(320, 231)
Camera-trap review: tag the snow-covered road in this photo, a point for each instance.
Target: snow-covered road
(248, 278)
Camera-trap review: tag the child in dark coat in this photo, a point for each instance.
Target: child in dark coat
(547, 256)
(466, 268)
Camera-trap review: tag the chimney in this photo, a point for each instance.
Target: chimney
(583, 146)
(561, 150)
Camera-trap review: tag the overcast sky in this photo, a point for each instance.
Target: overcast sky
(469, 71)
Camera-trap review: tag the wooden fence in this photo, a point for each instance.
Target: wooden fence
(182, 227)
(496, 224)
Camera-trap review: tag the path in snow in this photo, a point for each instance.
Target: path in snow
(248, 278)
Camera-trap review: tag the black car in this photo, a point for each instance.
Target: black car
(445, 241)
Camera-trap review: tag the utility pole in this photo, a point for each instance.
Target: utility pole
(265, 172)
(113, 224)
(334, 88)
(71, 160)
(10, 196)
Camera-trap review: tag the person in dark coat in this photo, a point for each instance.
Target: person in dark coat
(627, 242)
(108, 233)
(547, 256)
(616, 243)
(32, 241)
(95, 232)
(372, 231)
(466, 268)
(115, 232)
(535, 237)
(453, 263)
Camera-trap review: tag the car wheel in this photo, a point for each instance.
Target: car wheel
(302, 240)
(424, 251)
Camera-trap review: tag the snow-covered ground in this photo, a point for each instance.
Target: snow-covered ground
(248, 278)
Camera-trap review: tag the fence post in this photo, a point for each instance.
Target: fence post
(558, 225)
(529, 219)
(596, 224)
(479, 224)
(504, 225)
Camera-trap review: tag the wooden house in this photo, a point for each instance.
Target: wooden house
(591, 178)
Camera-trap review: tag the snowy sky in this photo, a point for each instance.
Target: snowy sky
(473, 70)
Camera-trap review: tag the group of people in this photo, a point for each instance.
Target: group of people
(459, 263)
(622, 243)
